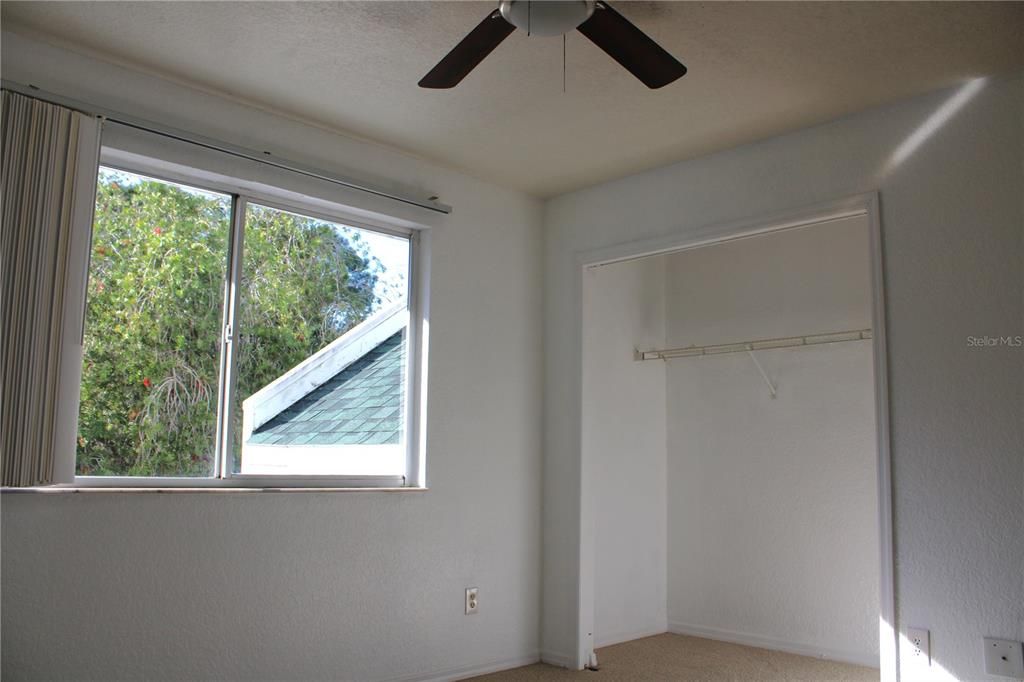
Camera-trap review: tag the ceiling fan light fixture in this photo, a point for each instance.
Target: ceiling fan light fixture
(546, 17)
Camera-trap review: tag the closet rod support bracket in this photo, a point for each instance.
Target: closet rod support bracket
(764, 375)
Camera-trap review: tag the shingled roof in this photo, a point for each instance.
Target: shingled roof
(345, 401)
(361, 404)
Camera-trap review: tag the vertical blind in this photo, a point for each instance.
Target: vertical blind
(50, 157)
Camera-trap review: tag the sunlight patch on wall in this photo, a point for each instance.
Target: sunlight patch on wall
(887, 660)
(933, 123)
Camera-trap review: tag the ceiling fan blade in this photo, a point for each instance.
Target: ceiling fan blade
(465, 56)
(631, 47)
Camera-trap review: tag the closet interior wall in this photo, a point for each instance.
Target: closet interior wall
(623, 438)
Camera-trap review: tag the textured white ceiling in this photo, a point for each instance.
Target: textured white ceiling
(756, 70)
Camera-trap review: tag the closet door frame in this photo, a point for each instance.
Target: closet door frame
(866, 205)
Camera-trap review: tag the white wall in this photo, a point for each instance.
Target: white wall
(949, 170)
(624, 438)
(772, 508)
(355, 586)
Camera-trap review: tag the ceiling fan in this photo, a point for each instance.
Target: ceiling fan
(595, 19)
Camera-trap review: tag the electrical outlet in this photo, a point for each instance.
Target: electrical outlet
(1004, 657)
(920, 648)
(471, 600)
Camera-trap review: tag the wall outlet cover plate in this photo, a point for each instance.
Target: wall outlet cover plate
(920, 646)
(1004, 657)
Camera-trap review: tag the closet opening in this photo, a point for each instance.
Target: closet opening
(734, 452)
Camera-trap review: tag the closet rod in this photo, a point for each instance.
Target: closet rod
(756, 344)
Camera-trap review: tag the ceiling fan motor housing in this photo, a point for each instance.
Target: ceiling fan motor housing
(546, 17)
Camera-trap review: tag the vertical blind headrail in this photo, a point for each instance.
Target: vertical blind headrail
(430, 204)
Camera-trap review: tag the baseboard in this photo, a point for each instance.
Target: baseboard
(620, 637)
(469, 670)
(774, 644)
(557, 659)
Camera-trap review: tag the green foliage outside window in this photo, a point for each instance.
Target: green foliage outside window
(155, 309)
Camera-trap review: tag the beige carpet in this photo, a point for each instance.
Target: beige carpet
(678, 657)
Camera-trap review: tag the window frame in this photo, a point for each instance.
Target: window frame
(320, 208)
